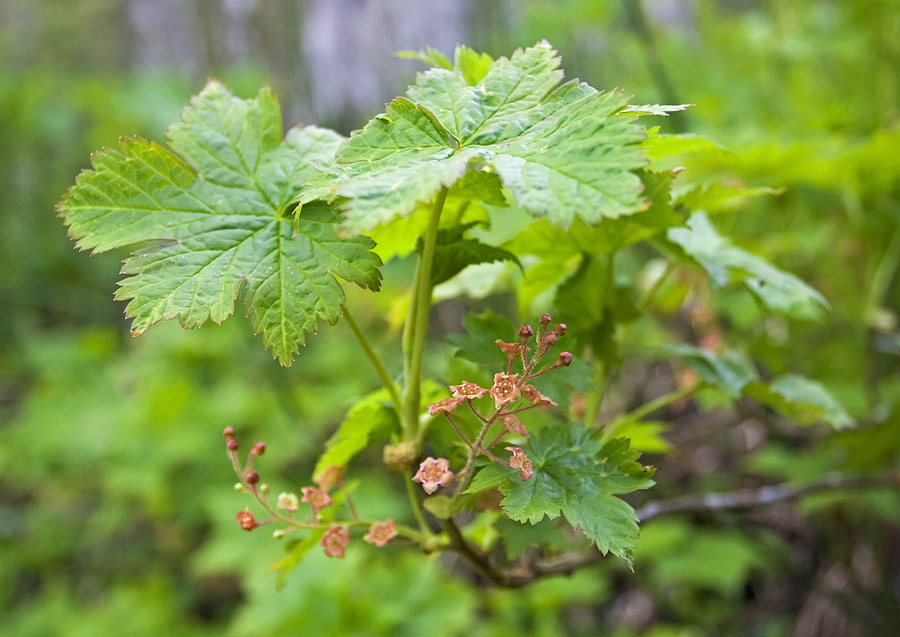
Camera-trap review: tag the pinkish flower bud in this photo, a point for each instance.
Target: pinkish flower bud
(545, 319)
(525, 332)
(316, 498)
(445, 404)
(560, 329)
(251, 478)
(550, 339)
(380, 533)
(228, 432)
(565, 359)
(288, 502)
(258, 449)
(468, 390)
(232, 444)
(520, 461)
(246, 520)
(433, 473)
(334, 541)
(329, 476)
(504, 389)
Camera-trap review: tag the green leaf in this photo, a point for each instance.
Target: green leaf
(430, 56)
(289, 562)
(718, 196)
(453, 253)
(655, 109)
(472, 64)
(575, 475)
(209, 213)
(728, 371)
(560, 150)
(372, 414)
(724, 262)
(801, 399)
(477, 344)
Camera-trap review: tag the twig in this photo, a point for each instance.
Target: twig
(752, 498)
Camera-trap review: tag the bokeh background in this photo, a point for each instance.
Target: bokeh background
(116, 507)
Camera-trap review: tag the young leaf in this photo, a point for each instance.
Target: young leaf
(453, 253)
(209, 213)
(477, 344)
(775, 289)
(575, 475)
(559, 149)
(366, 417)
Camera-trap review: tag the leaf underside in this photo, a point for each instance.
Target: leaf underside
(209, 216)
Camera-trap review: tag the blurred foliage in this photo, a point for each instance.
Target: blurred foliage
(117, 513)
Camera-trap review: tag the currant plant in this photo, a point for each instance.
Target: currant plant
(489, 166)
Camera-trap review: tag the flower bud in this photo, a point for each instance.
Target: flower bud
(525, 332)
(565, 359)
(279, 533)
(228, 432)
(545, 319)
(560, 329)
(550, 339)
(252, 478)
(264, 488)
(232, 444)
(239, 487)
(258, 449)
(400, 457)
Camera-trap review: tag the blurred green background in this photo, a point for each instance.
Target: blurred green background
(116, 508)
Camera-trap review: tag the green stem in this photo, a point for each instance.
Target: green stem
(416, 507)
(417, 326)
(658, 403)
(373, 358)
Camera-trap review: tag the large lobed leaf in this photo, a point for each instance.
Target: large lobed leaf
(209, 213)
(576, 475)
(560, 149)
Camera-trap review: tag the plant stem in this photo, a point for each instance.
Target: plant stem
(416, 506)
(417, 326)
(373, 358)
(658, 403)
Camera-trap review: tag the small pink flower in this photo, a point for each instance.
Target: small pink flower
(468, 390)
(504, 390)
(316, 498)
(380, 533)
(433, 473)
(246, 520)
(535, 397)
(513, 425)
(444, 404)
(518, 460)
(334, 541)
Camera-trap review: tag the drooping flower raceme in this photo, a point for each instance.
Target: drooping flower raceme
(433, 473)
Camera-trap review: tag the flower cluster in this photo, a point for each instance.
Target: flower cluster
(336, 535)
(511, 392)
